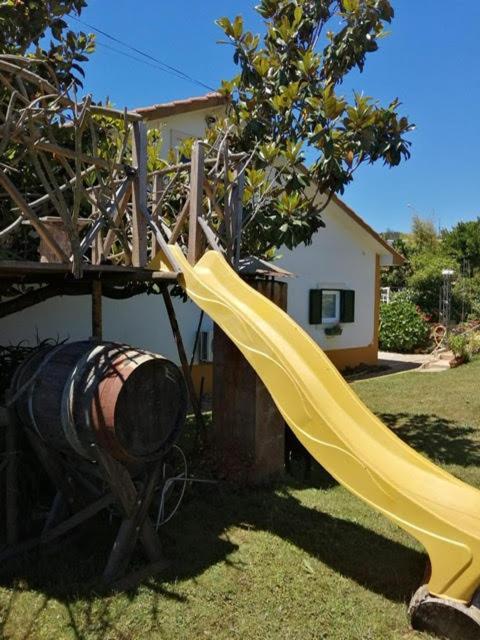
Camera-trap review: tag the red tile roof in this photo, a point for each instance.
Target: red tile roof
(165, 109)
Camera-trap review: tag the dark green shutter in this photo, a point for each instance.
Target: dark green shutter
(315, 307)
(347, 306)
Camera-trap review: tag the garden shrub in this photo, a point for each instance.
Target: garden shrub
(402, 327)
(460, 345)
(474, 343)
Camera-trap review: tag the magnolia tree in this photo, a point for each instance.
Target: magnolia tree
(286, 105)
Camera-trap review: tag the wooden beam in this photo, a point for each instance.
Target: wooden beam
(139, 196)
(187, 374)
(162, 243)
(9, 269)
(111, 210)
(182, 218)
(116, 114)
(29, 214)
(238, 216)
(116, 218)
(210, 236)
(56, 149)
(187, 165)
(197, 175)
(157, 191)
(70, 183)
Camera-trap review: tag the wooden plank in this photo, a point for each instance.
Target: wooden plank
(25, 271)
(157, 192)
(39, 201)
(187, 165)
(117, 216)
(56, 149)
(139, 195)
(210, 236)
(161, 241)
(117, 114)
(130, 528)
(97, 325)
(64, 527)
(122, 487)
(29, 214)
(227, 218)
(77, 518)
(195, 244)
(182, 217)
(110, 211)
(238, 216)
(53, 467)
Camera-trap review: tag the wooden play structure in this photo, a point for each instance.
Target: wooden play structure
(108, 225)
(102, 230)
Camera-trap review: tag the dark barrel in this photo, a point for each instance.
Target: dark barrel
(131, 402)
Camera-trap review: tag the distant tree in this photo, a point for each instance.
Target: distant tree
(424, 236)
(462, 242)
(285, 103)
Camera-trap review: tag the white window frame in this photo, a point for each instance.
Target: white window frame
(335, 319)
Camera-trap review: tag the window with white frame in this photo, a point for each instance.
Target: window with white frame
(330, 306)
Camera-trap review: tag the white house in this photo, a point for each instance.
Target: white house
(337, 280)
(340, 269)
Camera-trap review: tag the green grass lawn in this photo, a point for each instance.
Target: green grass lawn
(288, 562)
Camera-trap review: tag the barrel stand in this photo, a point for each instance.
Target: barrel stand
(133, 505)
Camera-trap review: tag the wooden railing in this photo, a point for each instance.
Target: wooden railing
(104, 207)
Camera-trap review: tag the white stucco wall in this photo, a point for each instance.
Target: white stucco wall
(140, 321)
(183, 125)
(340, 257)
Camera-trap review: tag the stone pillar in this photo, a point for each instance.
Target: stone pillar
(248, 430)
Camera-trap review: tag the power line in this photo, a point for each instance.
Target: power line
(136, 59)
(162, 66)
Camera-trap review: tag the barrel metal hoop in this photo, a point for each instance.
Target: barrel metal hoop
(30, 386)
(68, 396)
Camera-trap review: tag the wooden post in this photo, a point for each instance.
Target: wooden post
(156, 195)
(187, 373)
(139, 196)
(238, 215)
(97, 328)
(97, 244)
(227, 214)
(195, 238)
(248, 430)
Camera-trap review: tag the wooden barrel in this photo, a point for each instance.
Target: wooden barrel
(131, 402)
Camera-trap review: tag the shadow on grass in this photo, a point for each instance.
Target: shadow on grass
(197, 539)
(442, 440)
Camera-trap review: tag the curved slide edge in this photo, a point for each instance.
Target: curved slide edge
(340, 432)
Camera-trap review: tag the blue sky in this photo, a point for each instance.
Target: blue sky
(430, 61)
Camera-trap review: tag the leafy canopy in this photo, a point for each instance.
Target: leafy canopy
(24, 24)
(286, 104)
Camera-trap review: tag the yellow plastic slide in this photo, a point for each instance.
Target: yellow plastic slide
(340, 432)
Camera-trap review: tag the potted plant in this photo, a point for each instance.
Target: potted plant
(333, 330)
